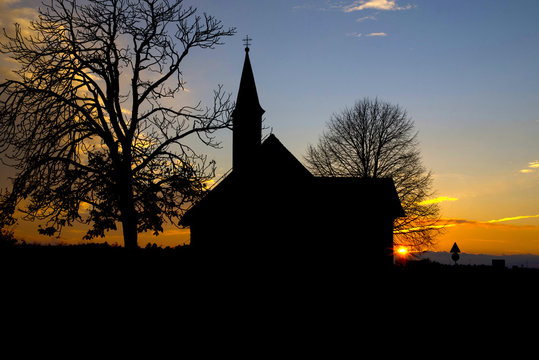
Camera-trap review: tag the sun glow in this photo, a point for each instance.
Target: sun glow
(402, 251)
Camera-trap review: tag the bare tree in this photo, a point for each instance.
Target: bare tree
(376, 139)
(91, 120)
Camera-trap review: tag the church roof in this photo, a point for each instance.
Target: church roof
(362, 195)
(279, 177)
(278, 160)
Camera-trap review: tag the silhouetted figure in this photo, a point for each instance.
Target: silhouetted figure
(271, 207)
(455, 253)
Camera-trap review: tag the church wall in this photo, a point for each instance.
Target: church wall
(293, 228)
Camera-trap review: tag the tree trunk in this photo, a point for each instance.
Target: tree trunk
(129, 221)
(127, 208)
(129, 228)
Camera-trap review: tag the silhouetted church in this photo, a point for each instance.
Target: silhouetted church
(271, 204)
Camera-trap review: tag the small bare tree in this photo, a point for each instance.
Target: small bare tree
(91, 120)
(376, 139)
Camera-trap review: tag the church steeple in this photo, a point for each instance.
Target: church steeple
(246, 119)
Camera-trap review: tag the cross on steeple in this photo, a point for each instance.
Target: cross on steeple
(246, 42)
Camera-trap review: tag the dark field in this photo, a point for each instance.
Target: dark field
(97, 263)
(102, 285)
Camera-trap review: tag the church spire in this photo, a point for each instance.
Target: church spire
(247, 95)
(246, 119)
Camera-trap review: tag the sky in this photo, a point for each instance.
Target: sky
(465, 70)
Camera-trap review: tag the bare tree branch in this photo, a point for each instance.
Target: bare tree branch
(375, 139)
(86, 122)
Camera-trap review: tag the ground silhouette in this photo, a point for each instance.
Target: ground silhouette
(102, 261)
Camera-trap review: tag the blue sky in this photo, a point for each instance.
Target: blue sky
(467, 65)
(466, 71)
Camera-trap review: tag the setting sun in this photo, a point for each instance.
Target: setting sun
(402, 251)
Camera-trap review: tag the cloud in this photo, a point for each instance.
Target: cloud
(375, 5)
(358, 35)
(531, 167)
(379, 34)
(452, 222)
(12, 12)
(301, 7)
(361, 19)
(513, 218)
(328, 6)
(437, 200)
(497, 223)
(419, 228)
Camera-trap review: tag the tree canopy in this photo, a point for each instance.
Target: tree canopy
(92, 121)
(376, 139)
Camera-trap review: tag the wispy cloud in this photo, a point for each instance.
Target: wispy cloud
(513, 218)
(437, 200)
(375, 5)
(358, 35)
(378, 34)
(364, 18)
(420, 228)
(301, 7)
(328, 5)
(496, 223)
(531, 167)
(490, 223)
(11, 12)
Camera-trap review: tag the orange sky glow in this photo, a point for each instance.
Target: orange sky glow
(496, 237)
(465, 71)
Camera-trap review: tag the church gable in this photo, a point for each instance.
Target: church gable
(276, 159)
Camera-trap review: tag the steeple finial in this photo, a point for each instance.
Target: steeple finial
(247, 43)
